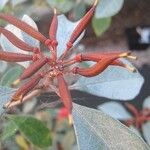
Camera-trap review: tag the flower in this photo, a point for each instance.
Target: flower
(44, 70)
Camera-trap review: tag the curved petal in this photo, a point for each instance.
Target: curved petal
(9, 47)
(115, 110)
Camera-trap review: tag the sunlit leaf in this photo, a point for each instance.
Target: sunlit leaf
(65, 29)
(107, 8)
(115, 83)
(115, 110)
(34, 130)
(97, 131)
(100, 25)
(11, 75)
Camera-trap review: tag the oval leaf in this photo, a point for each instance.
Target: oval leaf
(100, 25)
(107, 8)
(115, 110)
(115, 83)
(96, 130)
(34, 130)
(11, 75)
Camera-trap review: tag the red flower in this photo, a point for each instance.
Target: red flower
(57, 67)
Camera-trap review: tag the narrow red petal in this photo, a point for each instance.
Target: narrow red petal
(14, 57)
(15, 40)
(33, 68)
(64, 92)
(27, 87)
(23, 26)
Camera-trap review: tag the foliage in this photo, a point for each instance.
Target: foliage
(101, 129)
(120, 112)
(105, 10)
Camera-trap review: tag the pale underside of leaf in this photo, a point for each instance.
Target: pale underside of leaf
(95, 130)
(115, 83)
(115, 110)
(27, 38)
(146, 131)
(107, 8)
(5, 96)
(65, 29)
(9, 47)
(146, 103)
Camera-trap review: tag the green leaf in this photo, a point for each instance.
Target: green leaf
(11, 75)
(62, 5)
(79, 10)
(108, 8)
(97, 131)
(33, 130)
(9, 130)
(100, 25)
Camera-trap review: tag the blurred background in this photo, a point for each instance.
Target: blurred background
(127, 27)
